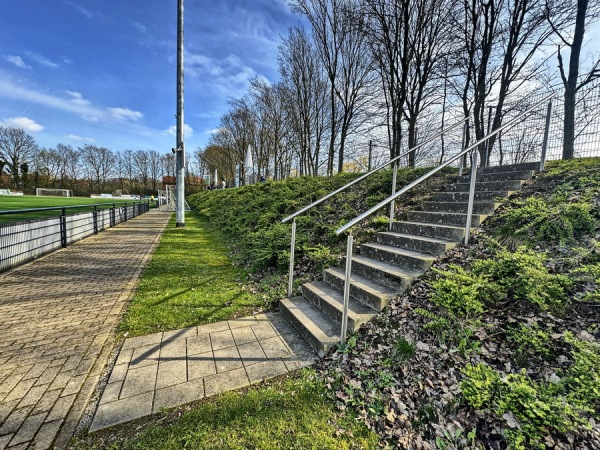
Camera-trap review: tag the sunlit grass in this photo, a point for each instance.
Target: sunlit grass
(18, 202)
(290, 413)
(190, 280)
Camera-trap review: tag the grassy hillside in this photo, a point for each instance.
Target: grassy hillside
(250, 220)
(498, 346)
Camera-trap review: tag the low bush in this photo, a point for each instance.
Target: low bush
(250, 216)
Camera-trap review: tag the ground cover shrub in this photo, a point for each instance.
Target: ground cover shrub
(562, 209)
(461, 292)
(530, 341)
(523, 276)
(250, 218)
(534, 408)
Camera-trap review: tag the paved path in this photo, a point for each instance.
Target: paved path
(163, 370)
(57, 317)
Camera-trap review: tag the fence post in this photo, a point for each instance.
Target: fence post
(113, 216)
(125, 212)
(546, 132)
(95, 216)
(63, 227)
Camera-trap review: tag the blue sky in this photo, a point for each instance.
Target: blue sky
(103, 71)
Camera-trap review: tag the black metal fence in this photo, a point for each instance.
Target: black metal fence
(24, 239)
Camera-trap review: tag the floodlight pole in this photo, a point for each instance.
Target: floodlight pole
(179, 148)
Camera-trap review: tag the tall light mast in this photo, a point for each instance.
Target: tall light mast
(180, 148)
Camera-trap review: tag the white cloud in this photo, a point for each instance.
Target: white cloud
(122, 118)
(140, 27)
(76, 138)
(17, 61)
(83, 11)
(125, 113)
(24, 123)
(230, 75)
(78, 98)
(42, 60)
(187, 130)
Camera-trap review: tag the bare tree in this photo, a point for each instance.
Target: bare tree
(499, 41)
(569, 17)
(98, 163)
(16, 148)
(142, 166)
(337, 27)
(155, 168)
(306, 93)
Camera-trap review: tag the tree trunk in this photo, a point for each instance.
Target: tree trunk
(571, 83)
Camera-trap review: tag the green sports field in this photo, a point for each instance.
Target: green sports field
(30, 202)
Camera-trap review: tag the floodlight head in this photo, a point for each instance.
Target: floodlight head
(178, 149)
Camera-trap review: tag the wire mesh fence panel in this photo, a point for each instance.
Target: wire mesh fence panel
(523, 142)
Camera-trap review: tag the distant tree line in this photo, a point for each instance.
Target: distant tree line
(384, 70)
(89, 169)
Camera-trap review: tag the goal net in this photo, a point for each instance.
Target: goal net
(167, 199)
(53, 192)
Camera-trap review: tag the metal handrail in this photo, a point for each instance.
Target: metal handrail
(409, 186)
(393, 161)
(57, 208)
(368, 174)
(406, 188)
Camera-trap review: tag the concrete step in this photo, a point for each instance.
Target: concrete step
(460, 207)
(510, 185)
(464, 196)
(370, 292)
(447, 232)
(498, 176)
(384, 273)
(535, 166)
(441, 218)
(411, 260)
(331, 302)
(315, 327)
(422, 244)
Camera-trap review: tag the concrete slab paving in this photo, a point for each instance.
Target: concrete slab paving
(57, 315)
(182, 366)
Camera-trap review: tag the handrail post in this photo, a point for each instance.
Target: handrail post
(347, 287)
(63, 227)
(462, 160)
(471, 195)
(393, 203)
(292, 249)
(546, 132)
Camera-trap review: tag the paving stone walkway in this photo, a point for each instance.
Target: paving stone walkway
(167, 369)
(57, 318)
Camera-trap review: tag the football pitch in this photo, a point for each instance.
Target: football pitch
(18, 202)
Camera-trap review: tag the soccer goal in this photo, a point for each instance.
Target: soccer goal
(40, 192)
(167, 199)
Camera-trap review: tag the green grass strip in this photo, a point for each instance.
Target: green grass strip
(291, 413)
(190, 280)
(30, 202)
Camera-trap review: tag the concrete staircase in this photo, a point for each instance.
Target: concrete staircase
(387, 267)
